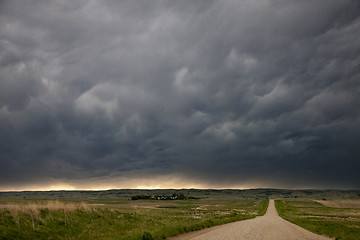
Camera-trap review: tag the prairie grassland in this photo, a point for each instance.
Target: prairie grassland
(123, 219)
(36, 206)
(341, 203)
(202, 193)
(336, 222)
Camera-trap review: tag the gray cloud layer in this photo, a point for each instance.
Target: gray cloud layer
(221, 92)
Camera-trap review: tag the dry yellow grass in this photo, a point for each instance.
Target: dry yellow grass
(341, 203)
(35, 208)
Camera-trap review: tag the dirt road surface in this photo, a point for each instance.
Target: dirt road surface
(268, 227)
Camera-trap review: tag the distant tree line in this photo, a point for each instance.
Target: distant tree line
(174, 196)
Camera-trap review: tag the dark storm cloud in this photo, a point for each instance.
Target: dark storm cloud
(224, 93)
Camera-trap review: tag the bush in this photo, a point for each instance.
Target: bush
(147, 236)
(137, 197)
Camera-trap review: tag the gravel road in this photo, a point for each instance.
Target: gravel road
(270, 226)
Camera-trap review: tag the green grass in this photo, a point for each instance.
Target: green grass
(144, 219)
(338, 223)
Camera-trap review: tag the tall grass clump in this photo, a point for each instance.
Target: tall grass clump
(35, 207)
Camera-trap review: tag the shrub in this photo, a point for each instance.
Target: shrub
(147, 236)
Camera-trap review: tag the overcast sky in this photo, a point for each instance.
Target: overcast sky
(213, 94)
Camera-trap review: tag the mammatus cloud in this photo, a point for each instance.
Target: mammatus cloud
(107, 94)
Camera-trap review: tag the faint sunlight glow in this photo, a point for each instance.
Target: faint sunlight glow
(150, 183)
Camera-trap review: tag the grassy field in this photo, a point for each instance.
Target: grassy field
(339, 219)
(202, 193)
(108, 218)
(111, 214)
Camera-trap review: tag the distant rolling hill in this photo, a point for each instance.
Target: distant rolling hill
(201, 193)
